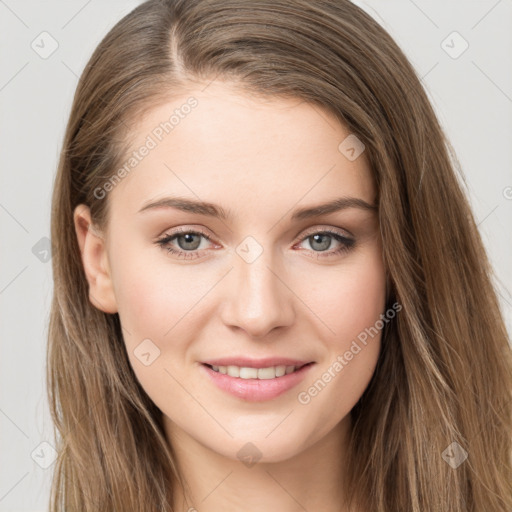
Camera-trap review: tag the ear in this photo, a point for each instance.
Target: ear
(95, 261)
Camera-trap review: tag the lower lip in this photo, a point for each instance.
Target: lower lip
(256, 390)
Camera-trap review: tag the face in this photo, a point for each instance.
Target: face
(256, 278)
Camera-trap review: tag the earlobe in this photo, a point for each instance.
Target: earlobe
(95, 261)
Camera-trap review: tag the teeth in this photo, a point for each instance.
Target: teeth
(233, 371)
(248, 373)
(255, 373)
(281, 370)
(267, 373)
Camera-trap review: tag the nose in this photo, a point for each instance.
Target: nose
(258, 297)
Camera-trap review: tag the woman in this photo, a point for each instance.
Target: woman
(270, 290)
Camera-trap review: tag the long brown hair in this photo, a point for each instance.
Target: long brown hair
(445, 373)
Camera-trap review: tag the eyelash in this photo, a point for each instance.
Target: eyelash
(346, 243)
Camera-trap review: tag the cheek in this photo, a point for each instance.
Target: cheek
(351, 298)
(161, 306)
(350, 304)
(153, 309)
(152, 293)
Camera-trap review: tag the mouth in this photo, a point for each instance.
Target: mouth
(256, 384)
(266, 373)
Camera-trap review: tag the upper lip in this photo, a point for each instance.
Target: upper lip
(248, 362)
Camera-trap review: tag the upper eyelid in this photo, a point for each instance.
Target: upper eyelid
(339, 231)
(180, 230)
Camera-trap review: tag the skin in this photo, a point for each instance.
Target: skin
(260, 159)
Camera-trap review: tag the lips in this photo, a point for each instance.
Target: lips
(256, 381)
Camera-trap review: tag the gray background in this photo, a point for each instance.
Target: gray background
(472, 93)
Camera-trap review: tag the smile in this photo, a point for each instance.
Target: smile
(255, 384)
(244, 372)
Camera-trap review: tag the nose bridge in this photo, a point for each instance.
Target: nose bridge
(258, 299)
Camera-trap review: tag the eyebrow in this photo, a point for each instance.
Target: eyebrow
(212, 210)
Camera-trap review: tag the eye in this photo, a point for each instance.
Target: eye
(188, 243)
(321, 241)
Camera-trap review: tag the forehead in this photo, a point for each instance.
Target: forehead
(232, 148)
